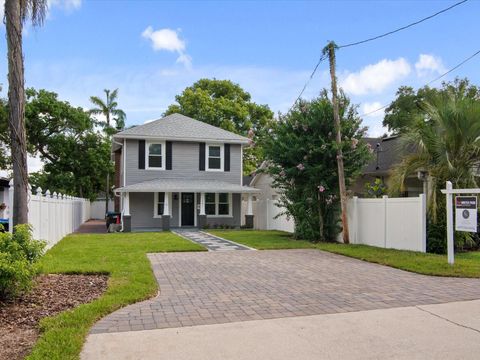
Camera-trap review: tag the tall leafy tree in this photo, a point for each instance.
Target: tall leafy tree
(446, 143)
(302, 160)
(225, 104)
(16, 13)
(109, 109)
(76, 157)
(409, 104)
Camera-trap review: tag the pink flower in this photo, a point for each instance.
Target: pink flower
(321, 188)
(251, 142)
(370, 148)
(282, 173)
(300, 167)
(251, 133)
(354, 143)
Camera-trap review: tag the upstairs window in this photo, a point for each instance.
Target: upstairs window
(155, 156)
(214, 158)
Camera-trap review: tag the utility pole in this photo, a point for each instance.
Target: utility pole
(330, 48)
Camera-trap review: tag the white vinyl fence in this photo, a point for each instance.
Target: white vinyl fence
(397, 223)
(53, 216)
(265, 212)
(97, 209)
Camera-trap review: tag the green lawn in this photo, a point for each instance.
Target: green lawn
(263, 239)
(466, 264)
(123, 257)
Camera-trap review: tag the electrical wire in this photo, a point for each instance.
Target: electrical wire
(403, 27)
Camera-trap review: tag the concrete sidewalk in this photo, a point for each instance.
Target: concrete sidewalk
(441, 331)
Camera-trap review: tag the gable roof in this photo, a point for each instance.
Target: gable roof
(181, 128)
(388, 152)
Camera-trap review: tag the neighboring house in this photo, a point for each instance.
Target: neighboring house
(4, 201)
(179, 172)
(387, 152)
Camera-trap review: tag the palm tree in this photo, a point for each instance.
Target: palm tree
(16, 13)
(110, 111)
(447, 144)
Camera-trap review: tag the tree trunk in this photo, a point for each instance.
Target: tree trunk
(16, 119)
(341, 172)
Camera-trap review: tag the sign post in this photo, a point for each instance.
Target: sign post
(450, 247)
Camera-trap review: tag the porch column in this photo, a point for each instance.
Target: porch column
(202, 217)
(126, 218)
(249, 215)
(166, 212)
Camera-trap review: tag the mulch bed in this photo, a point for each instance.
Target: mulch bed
(51, 295)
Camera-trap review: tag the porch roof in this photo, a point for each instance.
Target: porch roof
(187, 185)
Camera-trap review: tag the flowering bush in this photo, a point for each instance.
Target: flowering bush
(302, 154)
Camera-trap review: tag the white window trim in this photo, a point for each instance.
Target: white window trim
(155, 202)
(222, 156)
(217, 202)
(147, 153)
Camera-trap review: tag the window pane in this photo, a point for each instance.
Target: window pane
(210, 197)
(161, 197)
(223, 197)
(222, 209)
(155, 149)
(160, 209)
(214, 151)
(210, 209)
(214, 163)
(155, 161)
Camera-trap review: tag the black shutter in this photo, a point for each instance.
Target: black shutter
(201, 161)
(226, 164)
(141, 154)
(168, 154)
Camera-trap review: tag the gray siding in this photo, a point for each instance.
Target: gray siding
(185, 157)
(142, 207)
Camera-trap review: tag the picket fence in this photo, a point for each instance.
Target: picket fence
(52, 216)
(397, 223)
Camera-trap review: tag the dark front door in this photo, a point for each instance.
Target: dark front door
(188, 209)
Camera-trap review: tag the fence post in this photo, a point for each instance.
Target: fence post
(355, 219)
(38, 193)
(450, 235)
(423, 223)
(385, 204)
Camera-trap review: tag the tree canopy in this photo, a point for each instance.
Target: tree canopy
(301, 157)
(225, 104)
(410, 104)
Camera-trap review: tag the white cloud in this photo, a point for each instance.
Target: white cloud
(168, 40)
(428, 64)
(376, 77)
(67, 5)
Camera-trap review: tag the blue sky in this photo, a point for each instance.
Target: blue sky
(152, 50)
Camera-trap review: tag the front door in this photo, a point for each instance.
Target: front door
(188, 209)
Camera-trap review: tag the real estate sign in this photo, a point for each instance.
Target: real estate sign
(466, 213)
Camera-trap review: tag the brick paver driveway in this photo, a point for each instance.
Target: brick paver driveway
(220, 287)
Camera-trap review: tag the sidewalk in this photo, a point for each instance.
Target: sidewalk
(442, 331)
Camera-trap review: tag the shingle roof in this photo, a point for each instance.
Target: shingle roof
(387, 153)
(182, 128)
(182, 185)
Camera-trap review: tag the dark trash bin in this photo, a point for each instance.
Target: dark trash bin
(4, 223)
(112, 217)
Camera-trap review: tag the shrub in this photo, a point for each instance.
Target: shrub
(19, 254)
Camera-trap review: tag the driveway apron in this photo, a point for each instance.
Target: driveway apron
(212, 243)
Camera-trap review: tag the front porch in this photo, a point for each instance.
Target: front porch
(176, 203)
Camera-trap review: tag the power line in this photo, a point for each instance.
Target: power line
(431, 81)
(322, 58)
(403, 27)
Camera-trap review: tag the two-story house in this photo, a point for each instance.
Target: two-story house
(179, 172)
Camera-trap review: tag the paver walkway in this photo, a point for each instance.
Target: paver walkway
(93, 227)
(222, 287)
(212, 243)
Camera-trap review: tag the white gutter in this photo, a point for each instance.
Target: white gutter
(176, 138)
